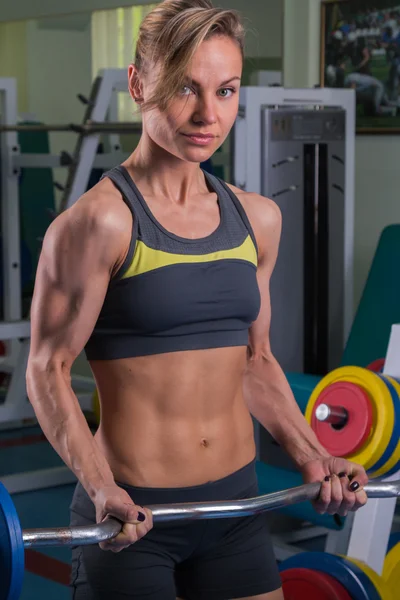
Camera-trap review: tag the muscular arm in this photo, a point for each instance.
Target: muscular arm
(267, 392)
(81, 249)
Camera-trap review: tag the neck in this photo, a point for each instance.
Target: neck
(160, 173)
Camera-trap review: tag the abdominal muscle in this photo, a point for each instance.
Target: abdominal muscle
(176, 419)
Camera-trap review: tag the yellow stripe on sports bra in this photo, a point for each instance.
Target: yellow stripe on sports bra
(146, 259)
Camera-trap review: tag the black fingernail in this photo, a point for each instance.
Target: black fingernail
(327, 478)
(351, 477)
(141, 517)
(354, 486)
(343, 474)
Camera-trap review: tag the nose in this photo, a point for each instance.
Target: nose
(205, 111)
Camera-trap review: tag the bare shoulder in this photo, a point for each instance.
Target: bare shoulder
(99, 221)
(263, 213)
(104, 208)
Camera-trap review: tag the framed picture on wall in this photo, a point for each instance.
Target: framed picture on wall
(360, 49)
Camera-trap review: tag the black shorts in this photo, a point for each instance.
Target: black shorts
(213, 559)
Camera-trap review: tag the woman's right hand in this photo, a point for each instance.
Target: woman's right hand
(113, 501)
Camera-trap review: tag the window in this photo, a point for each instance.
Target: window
(114, 36)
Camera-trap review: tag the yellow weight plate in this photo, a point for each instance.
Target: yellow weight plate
(381, 586)
(96, 405)
(391, 569)
(395, 458)
(382, 407)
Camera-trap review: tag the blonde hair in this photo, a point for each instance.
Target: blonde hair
(170, 35)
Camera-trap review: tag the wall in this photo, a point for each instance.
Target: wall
(265, 15)
(13, 58)
(377, 174)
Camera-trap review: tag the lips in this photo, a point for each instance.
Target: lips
(200, 139)
(201, 136)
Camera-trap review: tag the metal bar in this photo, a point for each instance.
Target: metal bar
(335, 415)
(192, 511)
(82, 128)
(76, 536)
(44, 161)
(15, 329)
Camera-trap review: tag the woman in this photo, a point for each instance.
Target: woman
(161, 273)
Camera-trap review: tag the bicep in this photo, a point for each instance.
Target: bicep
(72, 279)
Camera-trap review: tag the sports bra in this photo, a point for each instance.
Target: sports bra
(172, 293)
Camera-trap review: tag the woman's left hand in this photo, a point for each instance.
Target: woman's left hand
(342, 484)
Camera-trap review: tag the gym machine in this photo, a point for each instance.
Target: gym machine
(304, 139)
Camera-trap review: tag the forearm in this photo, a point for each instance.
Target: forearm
(271, 401)
(63, 423)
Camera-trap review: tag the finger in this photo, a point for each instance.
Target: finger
(357, 476)
(127, 513)
(128, 536)
(361, 499)
(336, 496)
(132, 532)
(324, 498)
(349, 498)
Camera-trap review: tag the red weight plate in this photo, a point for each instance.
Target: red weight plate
(377, 365)
(307, 584)
(351, 437)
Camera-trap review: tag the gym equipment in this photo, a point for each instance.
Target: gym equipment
(272, 479)
(13, 540)
(87, 128)
(355, 413)
(358, 580)
(302, 148)
(391, 566)
(376, 365)
(299, 584)
(378, 305)
(342, 418)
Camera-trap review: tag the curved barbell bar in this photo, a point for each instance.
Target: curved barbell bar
(191, 511)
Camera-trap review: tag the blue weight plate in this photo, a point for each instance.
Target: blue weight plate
(11, 549)
(394, 539)
(352, 578)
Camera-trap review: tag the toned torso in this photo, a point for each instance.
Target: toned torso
(177, 419)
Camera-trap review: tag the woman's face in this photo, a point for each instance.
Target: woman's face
(207, 106)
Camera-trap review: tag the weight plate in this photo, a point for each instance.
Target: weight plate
(394, 539)
(376, 365)
(11, 549)
(391, 456)
(391, 568)
(353, 435)
(301, 584)
(354, 580)
(390, 461)
(377, 581)
(382, 410)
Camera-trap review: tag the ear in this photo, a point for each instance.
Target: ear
(135, 84)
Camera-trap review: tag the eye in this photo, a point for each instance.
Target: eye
(226, 94)
(186, 90)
